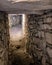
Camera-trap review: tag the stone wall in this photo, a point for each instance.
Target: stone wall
(4, 38)
(39, 44)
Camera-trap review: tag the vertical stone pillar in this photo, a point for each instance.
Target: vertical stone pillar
(25, 24)
(25, 28)
(4, 38)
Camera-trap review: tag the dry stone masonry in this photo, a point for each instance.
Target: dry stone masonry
(39, 44)
(4, 38)
(38, 31)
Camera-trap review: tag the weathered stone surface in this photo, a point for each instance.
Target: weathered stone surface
(4, 38)
(24, 6)
(39, 44)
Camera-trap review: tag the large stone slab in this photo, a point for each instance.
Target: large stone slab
(24, 6)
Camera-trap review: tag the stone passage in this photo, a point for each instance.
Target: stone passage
(39, 44)
(4, 38)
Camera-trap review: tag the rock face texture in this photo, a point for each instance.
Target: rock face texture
(38, 32)
(4, 38)
(39, 44)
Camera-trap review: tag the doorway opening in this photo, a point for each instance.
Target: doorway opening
(15, 23)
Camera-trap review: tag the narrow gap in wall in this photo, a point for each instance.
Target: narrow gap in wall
(15, 23)
(16, 36)
(17, 45)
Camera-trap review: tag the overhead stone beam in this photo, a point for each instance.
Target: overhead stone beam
(15, 6)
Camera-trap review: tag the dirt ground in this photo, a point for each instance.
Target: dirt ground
(18, 54)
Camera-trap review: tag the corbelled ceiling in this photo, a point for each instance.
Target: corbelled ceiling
(24, 6)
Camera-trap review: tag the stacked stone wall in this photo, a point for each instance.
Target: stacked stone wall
(39, 44)
(4, 38)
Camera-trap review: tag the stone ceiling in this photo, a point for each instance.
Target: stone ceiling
(24, 6)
